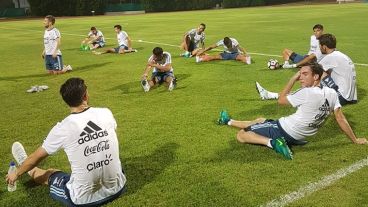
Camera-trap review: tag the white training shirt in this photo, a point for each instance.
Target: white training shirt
(313, 104)
(122, 38)
(195, 37)
(91, 145)
(234, 45)
(50, 41)
(165, 60)
(98, 34)
(315, 49)
(342, 73)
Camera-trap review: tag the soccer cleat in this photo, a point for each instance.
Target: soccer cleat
(198, 59)
(19, 153)
(172, 84)
(263, 93)
(248, 60)
(288, 66)
(145, 85)
(224, 118)
(33, 89)
(280, 146)
(43, 87)
(68, 68)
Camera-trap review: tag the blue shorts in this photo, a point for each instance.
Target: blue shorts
(121, 47)
(329, 82)
(272, 130)
(296, 57)
(229, 56)
(53, 63)
(160, 77)
(100, 44)
(59, 191)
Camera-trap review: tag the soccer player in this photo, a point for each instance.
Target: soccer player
(314, 53)
(51, 52)
(163, 72)
(193, 41)
(124, 43)
(94, 40)
(233, 51)
(90, 142)
(339, 74)
(314, 104)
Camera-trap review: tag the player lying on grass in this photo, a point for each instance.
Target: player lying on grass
(163, 72)
(124, 43)
(51, 52)
(232, 51)
(313, 55)
(94, 40)
(314, 104)
(88, 137)
(339, 73)
(193, 41)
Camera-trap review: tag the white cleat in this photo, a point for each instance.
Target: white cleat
(172, 85)
(33, 89)
(145, 85)
(198, 59)
(248, 60)
(68, 68)
(264, 94)
(19, 153)
(43, 87)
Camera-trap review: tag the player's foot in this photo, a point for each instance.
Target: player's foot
(145, 85)
(96, 53)
(198, 59)
(172, 84)
(287, 65)
(68, 68)
(261, 91)
(280, 146)
(43, 87)
(33, 89)
(135, 50)
(248, 60)
(19, 153)
(224, 118)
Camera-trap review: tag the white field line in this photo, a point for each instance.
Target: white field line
(313, 187)
(156, 43)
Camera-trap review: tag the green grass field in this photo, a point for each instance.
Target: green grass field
(171, 149)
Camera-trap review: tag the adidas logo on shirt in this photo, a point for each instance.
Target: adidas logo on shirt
(90, 132)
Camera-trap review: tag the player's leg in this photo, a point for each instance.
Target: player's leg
(243, 58)
(207, 58)
(286, 54)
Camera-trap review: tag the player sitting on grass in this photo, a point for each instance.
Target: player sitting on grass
(94, 40)
(89, 140)
(339, 73)
(313, 55)
(51, 52)
(124, 41)
(313, 103)
(160, 62)
(193, 41)
(233, 51)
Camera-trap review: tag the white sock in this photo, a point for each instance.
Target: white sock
(229, 122)
(273, 95)
(286, 62)
(269, 144)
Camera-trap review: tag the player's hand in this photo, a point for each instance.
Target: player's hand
(54, 55)
(11, 178)
(144, 76)
(296, 76)
(361, 141)
(152, 63)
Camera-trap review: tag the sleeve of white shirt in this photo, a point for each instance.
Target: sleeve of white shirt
(328, 63)
(90, 34)
(112, 119)
(298, 97)
(235, 42)
(220, 43)
(337, 102)
(55, 139)
(57, 34)
(168, 59)
(313, 45)
(125, 34)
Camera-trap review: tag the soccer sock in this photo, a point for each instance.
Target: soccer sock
(269, 143)
(286, 62)
(230, 122)
(272, 95)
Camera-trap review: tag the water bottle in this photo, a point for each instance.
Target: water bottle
(12, 169)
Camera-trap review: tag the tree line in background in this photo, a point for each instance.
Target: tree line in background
(84, 7)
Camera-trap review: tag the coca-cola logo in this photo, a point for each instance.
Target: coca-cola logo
(101, 146)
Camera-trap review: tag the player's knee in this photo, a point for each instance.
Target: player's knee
(241, 136)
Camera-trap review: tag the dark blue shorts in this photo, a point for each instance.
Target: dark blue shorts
(329, 82)
(100, 44)
(296, 57)
(59, 191)
(229, 56)
(121, 47)
(160, 77)
(53, 63)
(272, 130)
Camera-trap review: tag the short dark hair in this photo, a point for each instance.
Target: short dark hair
(73, 91)
(118, 26)
(157, 51)
(203, 25)
(316, 69)
(318, 26)
(50, 18)
(227, 41)
(93, 28)
(328, 39)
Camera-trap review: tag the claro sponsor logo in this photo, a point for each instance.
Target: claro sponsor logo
(95, 165)
(103, 145)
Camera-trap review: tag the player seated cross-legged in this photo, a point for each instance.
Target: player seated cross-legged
(163, 72)
(94, 40)
(314, 54)
(232, 51)
(124, 43)
(193, 41)
(314, 104)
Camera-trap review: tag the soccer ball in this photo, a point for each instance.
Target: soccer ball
(272, 64)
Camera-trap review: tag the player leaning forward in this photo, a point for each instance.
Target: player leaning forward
(51, 52)
(89, 140)
(313, 102)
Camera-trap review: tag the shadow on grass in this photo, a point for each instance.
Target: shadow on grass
(140, 171)
(135, 86)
